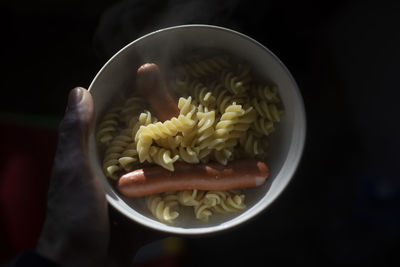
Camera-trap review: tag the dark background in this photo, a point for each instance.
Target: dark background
(343, 204)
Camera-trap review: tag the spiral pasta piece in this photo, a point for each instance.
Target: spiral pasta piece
(167, 128)
(267, 93)
(205, 67)
(190, 197)
(171, 142)
(108, 127)
(223, 99)
(232, 204)
(205, 133)
(129, 157)
(189, 155)
(263, 126)
(212, 198)
(146, 134)
(202, 212)
(243, 73)
(186, 107)
(202, 94)
(229, 202)
(145, 118)
(189, 110)
(131, 107)
(228, 119)
(216, 87)
(218, 201)
(161, 207)
(162, 157)
(265, 110)
(206, 121)
(111, 165)
(233, 83)
(224, 155)
(253, 144)
(226, 124)
(143, 144)
(243, 124)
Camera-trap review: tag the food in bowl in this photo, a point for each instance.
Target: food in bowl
(208, 114)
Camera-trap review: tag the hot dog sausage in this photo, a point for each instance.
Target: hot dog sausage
(151, 84)
(210, 176)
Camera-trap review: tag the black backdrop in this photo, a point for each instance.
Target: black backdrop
(343, 204)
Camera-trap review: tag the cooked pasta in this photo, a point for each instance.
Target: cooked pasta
(131, 107)
(190, 197)
(162, 157)
(145, 118)
(205, 67)
(223, 100)
(265, 110)
(201, 139)
(253, 144)
(159, 130)
(171, 142)
(206, 122)
(202, 212)
(223, 155)
(232, 203)
(233, 83)
(218, 201)
(180, 85)
(128, 157)
(165, 129)
(108, 127)
(263, 126)
(266, 93)
(160, 205)
(225, 113)
(188, 154)
(186, 107)
(243, 72)
(202, 94)
(226, 125)
(111, 165)
(240, 128)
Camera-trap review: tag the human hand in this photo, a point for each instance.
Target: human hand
(77, 231)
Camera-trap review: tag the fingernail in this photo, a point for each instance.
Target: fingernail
(75, 97)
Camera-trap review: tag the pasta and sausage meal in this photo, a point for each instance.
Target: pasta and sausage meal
(193, 137)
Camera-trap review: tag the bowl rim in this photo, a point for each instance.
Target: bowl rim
(299, 151)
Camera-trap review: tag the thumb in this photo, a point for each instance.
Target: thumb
(78, 121)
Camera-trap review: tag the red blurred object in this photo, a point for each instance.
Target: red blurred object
(26, 159)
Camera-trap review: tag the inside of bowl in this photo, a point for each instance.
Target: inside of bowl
(116, 80)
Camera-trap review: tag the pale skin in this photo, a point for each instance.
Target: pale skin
(80, 229)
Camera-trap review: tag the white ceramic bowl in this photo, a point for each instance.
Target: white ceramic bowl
(287, 143)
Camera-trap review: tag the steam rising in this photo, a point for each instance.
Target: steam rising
(130, 19)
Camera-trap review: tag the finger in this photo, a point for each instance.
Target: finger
(78, 121)
(72, 149)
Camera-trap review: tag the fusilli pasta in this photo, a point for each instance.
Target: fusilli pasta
(108, 127)
(205, 67)
(224, 114)
(162, 157)
(111, 165)
(161, 205)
